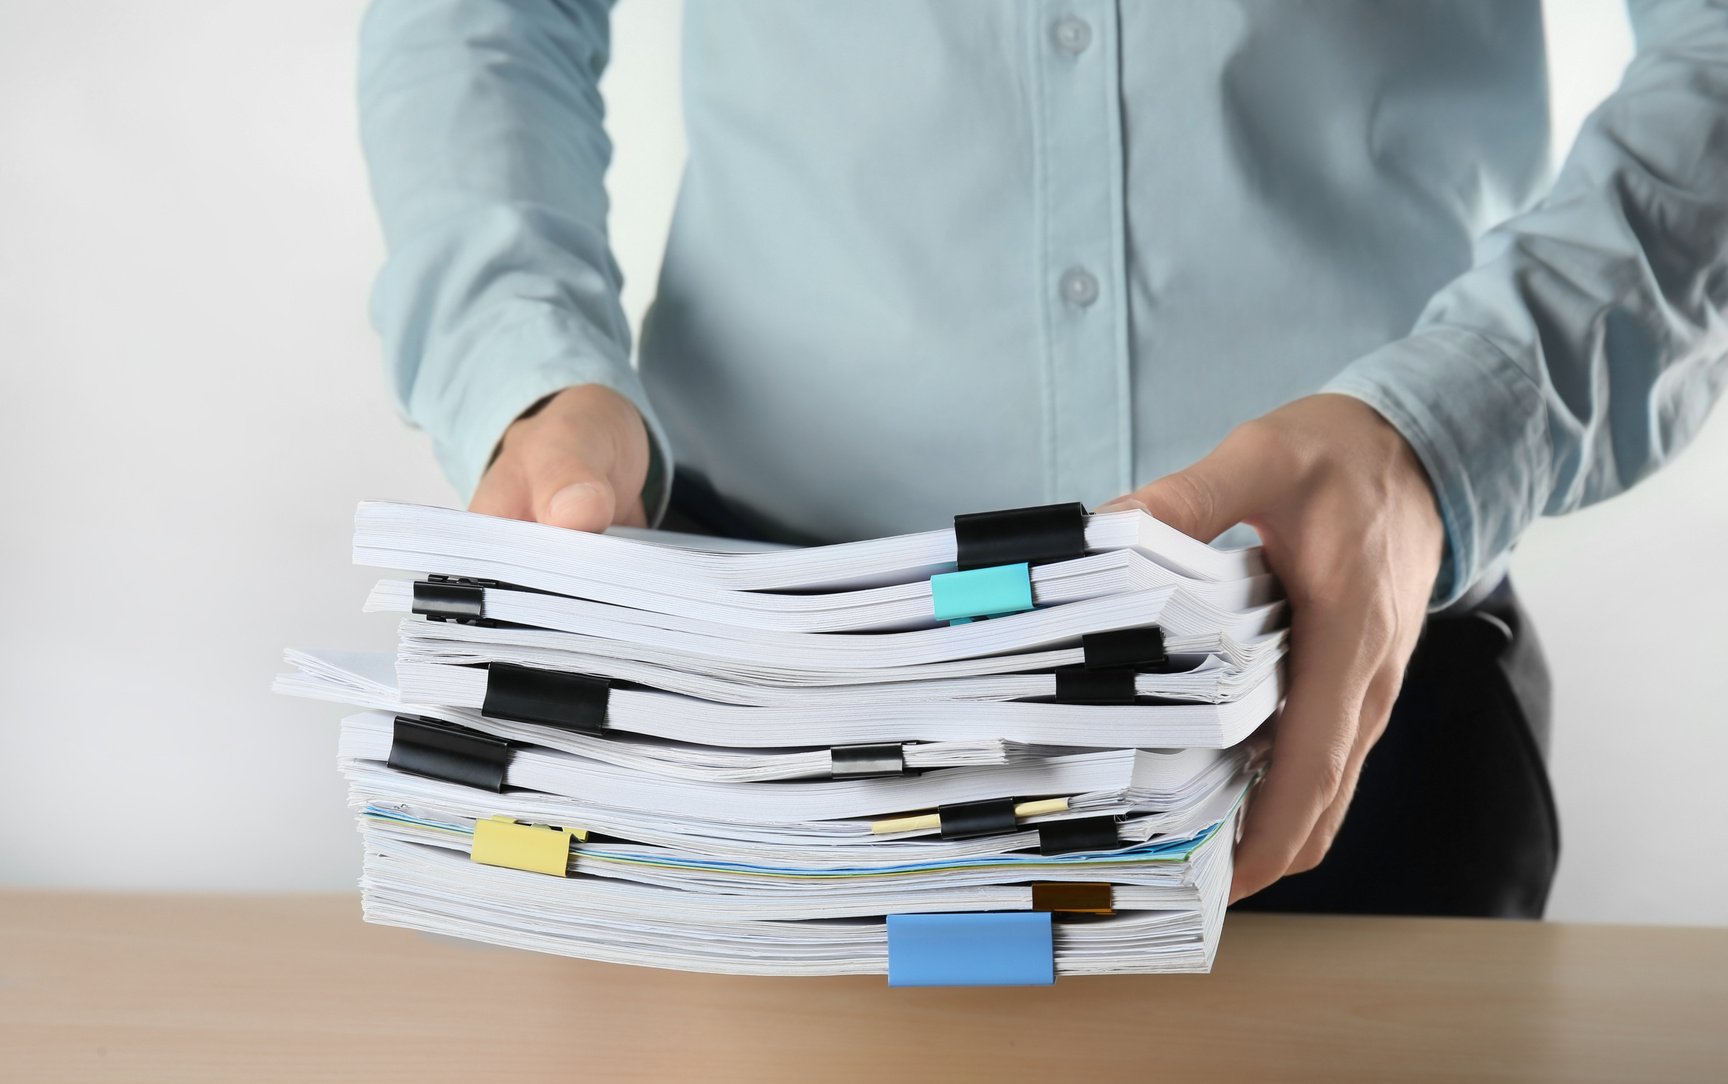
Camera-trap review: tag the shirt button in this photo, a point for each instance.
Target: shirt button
(1079, 287)
(1072, 34)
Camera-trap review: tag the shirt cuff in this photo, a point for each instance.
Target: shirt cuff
(494, 396)
(1478, 424)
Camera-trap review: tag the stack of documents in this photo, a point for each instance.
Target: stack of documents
(989, 754)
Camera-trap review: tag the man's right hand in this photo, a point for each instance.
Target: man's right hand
(577, 459)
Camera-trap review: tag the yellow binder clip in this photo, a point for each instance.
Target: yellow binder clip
(537, 848)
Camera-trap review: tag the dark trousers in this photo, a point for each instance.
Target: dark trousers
(1453, 814)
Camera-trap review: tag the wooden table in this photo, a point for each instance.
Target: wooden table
(188, 988)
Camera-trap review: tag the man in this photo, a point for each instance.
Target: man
(1298, 267)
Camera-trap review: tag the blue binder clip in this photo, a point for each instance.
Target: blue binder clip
(981, 592)
(1009, 948)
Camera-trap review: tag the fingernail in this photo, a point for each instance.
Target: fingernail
(572, 497)
(1120, 504)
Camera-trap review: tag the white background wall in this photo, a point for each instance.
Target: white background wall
(191, 403)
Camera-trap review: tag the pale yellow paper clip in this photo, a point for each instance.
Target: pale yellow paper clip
(537, 848)
(925, 821)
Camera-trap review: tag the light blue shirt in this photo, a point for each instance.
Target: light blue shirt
(932, 257)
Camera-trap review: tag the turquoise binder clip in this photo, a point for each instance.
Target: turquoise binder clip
(1008, 948)
(981, 592)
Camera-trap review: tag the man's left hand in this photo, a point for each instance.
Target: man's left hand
(1349, 525)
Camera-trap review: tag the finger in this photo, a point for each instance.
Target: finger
(1377, 707)
(1231, 484)
(1376, 710)
(1311, 753)
(567, 479)
(634, 514)
(502, 492)
(570, 495)
(558, 487)
(1314, 849)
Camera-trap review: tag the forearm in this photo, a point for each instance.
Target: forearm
(1587, 344)
(482, 126)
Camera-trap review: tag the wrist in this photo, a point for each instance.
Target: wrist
(1389, 472)
(1478, 424)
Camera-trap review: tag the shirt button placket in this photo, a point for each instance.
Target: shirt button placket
(1079, 120)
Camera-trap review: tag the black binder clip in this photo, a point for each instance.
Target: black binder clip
(1094, 686)
(455, 754)
(526, 694)
(1139, 649)
(1084, 834)
(869, 761)
(1111, 661)
(967, 820)
(452, 598)
(1051, 532)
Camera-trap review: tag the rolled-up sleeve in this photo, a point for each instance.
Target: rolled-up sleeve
(1587, 344)
(481, 122)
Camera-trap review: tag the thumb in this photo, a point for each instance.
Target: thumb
(1206, 499)
(565, 460)
(560, 488)
(570, 494)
